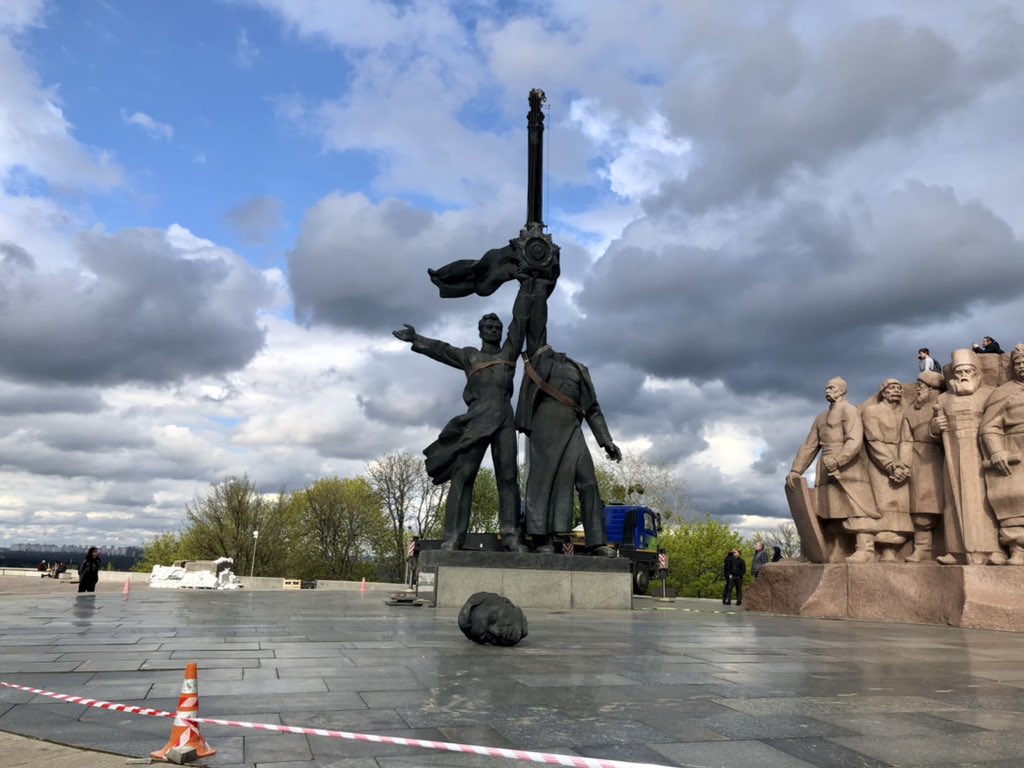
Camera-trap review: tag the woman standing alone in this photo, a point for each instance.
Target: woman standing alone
(89, 571)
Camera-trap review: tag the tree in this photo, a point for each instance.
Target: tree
(408, 495)
(696, 551)
(484, 516)
(636, 480)
(338, 522)
(786, 537)
(163, 550)
(222, 523)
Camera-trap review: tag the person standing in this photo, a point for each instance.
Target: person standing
(735, 570)
(925, 362)
(760, 558)
(89, 571)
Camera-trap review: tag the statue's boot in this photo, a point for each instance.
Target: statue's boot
(997, 558)
(922, 547)
(1016, 555)
(888, 555)
(545, 547)
(889, 537)
(947, 560)
(865, 549)
(977, 558)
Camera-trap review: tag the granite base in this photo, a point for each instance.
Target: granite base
(976, 596)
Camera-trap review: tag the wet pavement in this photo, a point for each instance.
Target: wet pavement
(684, 683)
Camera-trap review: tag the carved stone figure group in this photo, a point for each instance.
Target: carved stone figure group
(938, 478)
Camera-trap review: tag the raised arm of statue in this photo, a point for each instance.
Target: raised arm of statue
(521, 313)
(441, 351)
(537, 329)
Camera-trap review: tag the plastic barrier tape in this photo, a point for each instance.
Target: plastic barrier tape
(446, 746)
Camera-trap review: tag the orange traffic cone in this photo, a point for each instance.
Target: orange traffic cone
(183, 733)
(127, 586)
(362, 587)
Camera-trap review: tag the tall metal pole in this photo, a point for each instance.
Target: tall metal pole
(535, 159)
(255, 540)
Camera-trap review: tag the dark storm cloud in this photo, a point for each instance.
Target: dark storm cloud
(811, 293)
(137, 310)
(364, 266)
(777, 105)
(256, 220)
(14, 256)
(18, 400)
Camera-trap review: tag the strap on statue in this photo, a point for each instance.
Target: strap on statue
(546, 388)
(480, 366)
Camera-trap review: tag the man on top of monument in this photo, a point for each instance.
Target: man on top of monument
(969, 522)
(889, 467)
(555, 396)
(843, 493)
(1002, 442)
(489, 421)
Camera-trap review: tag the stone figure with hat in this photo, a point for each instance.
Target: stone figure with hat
(888, 468)
(927, 465)
(968, 519)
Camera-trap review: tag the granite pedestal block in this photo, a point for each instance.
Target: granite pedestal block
(978, 596)
(528, 580)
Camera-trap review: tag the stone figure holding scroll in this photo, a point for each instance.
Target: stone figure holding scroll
(843, 493)
(555, 397)
(888, 468)
(968, 520)
(1002, 442)
(927, 465)
(489, 421)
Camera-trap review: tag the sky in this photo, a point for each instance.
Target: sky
(213, 214)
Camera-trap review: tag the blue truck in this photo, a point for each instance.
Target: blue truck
(632, 530)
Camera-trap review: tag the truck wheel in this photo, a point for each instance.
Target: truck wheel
(641, 580)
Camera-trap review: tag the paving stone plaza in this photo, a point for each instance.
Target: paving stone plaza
(676, 684)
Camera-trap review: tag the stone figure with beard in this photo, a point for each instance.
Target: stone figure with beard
(968, 519)
(888, 468)
(843, 494)
(927, 465)
(1002, 441)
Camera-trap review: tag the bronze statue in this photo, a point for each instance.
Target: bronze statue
(489, 421)
(556, 395)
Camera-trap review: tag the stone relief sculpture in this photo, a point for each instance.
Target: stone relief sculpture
(888, 468)
(970, 530)
(927, 465)
(945, 467)
(1002, 442)
(843, 493)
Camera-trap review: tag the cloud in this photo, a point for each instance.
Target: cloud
(142, 305)
(246, 54)
(257, 220)
(37, 139)
(156, 129)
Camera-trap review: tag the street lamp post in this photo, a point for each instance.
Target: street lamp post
(255, 539)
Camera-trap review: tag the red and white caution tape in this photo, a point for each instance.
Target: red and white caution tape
(446, 746)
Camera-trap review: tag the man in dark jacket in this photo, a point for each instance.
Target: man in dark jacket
(735, 569)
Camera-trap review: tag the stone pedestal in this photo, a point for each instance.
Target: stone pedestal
(528, 580)
(977, 596)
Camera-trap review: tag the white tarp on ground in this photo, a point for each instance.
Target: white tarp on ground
(195, 574)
